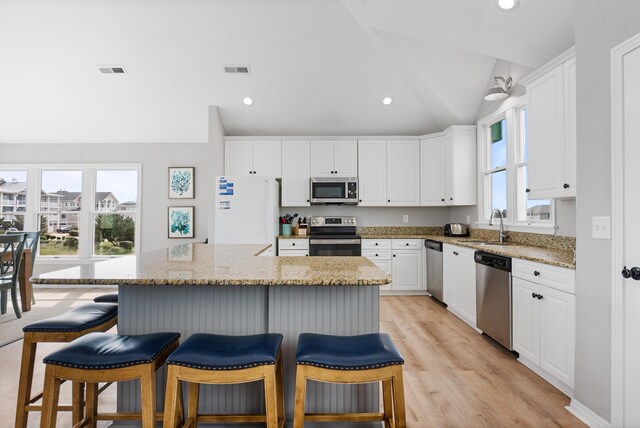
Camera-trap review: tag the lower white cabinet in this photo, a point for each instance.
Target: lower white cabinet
(544, 327)
(402, 259)
(406, 270)
(293, 247)
(459, 282)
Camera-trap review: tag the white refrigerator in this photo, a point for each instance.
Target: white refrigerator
(246, 210)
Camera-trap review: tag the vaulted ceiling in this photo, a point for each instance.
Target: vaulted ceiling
(318, 67)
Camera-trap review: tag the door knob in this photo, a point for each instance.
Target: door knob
(635, 273)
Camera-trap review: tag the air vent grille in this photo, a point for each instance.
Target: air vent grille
(236, 69)
(112, 69)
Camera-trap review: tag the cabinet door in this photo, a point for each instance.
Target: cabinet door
(570, 149)
(372, 173)
(345, 158)
(385, 266)
(460, 161)
(406, 270)
(557, 333)
(238, 157)
(267, 158)
(526, 320)
(295, 174)
(450, 276)
(432, 172)
(294, 253)
(466, 276)
(546, 128)
(403, 173)
(322, 158)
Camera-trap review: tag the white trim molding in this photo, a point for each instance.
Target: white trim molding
(563, 57)
(586, 415)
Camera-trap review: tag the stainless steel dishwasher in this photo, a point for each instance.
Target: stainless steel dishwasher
(493, 296)
(434, 268)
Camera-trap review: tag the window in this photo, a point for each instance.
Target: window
(503, 150)
(13, 199)
(59, 220)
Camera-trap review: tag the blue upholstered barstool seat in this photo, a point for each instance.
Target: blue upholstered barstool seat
(93, 317)
(103, 357)
(350, 359)
(107, 298)
(218, 359)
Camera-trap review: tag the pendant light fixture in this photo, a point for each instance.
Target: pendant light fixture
(499, 90)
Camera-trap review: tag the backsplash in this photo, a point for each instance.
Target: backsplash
(396, 231)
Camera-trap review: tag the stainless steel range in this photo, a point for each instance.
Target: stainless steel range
(333, 236)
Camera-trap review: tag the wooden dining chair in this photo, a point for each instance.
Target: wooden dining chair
(31, 242)
(11, 247)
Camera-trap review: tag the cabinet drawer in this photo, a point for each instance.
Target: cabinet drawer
(293, 244)
(377, 254)
(374, 244)
(294, 253)
(552, 276)
(407, 244)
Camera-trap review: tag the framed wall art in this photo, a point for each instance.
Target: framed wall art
(181, 182)
(180, 222)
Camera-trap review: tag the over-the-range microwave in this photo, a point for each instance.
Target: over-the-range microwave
(334, 190)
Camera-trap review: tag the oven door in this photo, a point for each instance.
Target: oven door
(334, 247)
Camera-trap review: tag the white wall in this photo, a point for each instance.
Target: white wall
(600, 25)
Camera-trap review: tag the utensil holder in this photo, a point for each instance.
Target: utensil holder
(286, 229)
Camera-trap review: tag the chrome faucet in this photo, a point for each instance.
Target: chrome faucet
(503, 236)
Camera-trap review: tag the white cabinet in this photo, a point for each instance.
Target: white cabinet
(379, 252)
(432, 172)
(403, 173)
(252, 157)
(295, 173)
(460, 165)
(372, 173)
(459, 282)
(293, 247)
(334, 158)
(402, 259)
(551, 124)
(544, 323)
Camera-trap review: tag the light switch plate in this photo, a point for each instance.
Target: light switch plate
(405, 218)
(601, 227)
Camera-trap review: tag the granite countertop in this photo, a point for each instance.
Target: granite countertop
(205, 264)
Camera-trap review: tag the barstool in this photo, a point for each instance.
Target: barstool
(217, 359)
(103, 357)
(107, 298)
(77, 322)
(350, 359)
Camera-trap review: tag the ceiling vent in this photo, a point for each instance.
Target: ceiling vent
(112, 69)
(237, 69)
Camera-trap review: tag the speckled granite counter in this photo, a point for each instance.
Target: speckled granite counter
(202, 264)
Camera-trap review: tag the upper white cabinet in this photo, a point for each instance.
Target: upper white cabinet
(403, 173)
(295, 173)
(448, 168)
(551, 123)
(372, 172)
(334, 158)
(252, 157)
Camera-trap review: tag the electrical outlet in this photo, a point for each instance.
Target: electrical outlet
(601, 227)
(405, 218)
(468, 219)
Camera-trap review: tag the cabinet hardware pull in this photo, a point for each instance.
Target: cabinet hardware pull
(451, 199)
(566, 186)
(407, 244)
(376, 244)
(394, 255)
(360, 200)
(534, 295)
(442, 199)
(307, 200)
(540, 296)
(527, 190)
(455, 253)
(536, 273)
(388, 200)
(293, 244)
(626, 273)
(376, 255)
(635, 273)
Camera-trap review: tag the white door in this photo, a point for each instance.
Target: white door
(372, 172)
(467, 285)
(322, 158)
(432, 172)
(557, 333)
(526, 319)
(405, 267)
(345, 158)
(626, 233)
(450, 275)
(238, 158)
(295, 174)
(385, 266)
(403, 173)
(267, 158)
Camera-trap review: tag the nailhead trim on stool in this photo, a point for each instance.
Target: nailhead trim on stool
(103, 357)
(93, 317)
(350, 359)
(218, 359)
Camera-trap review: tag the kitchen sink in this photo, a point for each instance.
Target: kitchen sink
(489, 244)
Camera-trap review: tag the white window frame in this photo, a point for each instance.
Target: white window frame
(89, 178)
(511, 112)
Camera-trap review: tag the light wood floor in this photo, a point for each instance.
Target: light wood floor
(454, 377)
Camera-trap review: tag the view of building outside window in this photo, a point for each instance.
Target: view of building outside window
(13, 200)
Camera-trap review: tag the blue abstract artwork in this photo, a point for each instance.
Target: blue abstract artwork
(180, 222)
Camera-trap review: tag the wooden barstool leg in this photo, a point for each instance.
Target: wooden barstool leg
(271, 402)
(26, 379)
(280, 392)
(77, 402)
(92, 404)
(194, 394)
(387, 401)
(171, 398)
(300, 396)
(398, 397)
(51, 393)
(148, 396)
(180, 416)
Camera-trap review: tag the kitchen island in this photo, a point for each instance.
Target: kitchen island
(229, 289)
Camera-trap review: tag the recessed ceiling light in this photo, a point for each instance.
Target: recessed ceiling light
(508, 4)
(247, 101)
(387, 100)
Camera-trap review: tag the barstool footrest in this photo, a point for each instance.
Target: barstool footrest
(341, 417)
(125, 416)
(232, 418)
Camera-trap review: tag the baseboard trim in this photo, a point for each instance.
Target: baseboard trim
(586, 415)
(557, 383)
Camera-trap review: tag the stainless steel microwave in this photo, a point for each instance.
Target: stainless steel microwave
(334, 190)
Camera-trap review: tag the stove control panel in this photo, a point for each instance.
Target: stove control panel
(333, 221)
